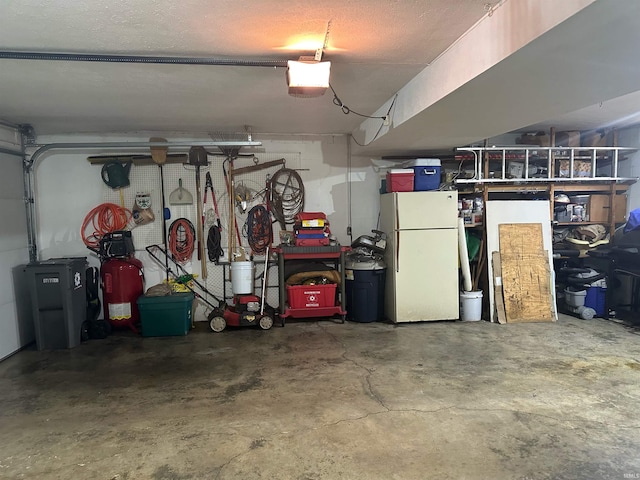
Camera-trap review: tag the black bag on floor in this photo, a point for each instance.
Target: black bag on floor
(94, 327)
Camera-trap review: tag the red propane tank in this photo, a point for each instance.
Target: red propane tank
(122, 284)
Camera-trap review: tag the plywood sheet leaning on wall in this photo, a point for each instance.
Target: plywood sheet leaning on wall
(526, 274)
(498, 212)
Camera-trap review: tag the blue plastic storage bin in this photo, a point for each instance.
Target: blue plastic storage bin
(596, 299)
(426, 173)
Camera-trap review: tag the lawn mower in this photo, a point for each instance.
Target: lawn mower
(247, 310)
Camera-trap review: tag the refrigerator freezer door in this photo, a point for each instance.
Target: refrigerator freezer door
(422, 276)
(419, 210)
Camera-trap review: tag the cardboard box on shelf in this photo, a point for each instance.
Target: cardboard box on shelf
(540, 139)
(568, 139)
(593, 139)
(581, 169)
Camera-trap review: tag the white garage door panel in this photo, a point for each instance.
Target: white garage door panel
(9, 334)
(16, 330)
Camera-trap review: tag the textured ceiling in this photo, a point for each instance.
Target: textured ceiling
(371, 31)
(376, 47)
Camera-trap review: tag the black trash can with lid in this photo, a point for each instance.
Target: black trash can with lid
(365, 279)
(58, 296)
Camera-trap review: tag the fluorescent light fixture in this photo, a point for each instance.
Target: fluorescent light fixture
(308, 79)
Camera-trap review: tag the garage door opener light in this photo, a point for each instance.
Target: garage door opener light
(308, 78)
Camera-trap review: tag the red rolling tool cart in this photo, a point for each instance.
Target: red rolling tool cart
(309, 301)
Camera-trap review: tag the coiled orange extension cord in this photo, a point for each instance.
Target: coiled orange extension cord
(105, 218)
(182, 237)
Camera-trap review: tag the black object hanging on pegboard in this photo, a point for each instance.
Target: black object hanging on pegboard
(286, 198)
(258, 229)
(214, 235)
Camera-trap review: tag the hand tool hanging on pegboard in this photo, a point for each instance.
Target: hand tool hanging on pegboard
(258, 230)
(116, 176)
(211, 219)
(159, 157)
(228, 178)
(286, 195)
(198, 158)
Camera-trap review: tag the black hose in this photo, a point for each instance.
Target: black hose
(287, 195)
(214, 248)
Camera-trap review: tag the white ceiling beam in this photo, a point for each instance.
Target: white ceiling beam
(496, 37)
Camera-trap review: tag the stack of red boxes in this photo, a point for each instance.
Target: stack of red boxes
(311, 229)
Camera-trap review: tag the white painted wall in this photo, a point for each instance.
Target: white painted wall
(68, 187)
(13, 250)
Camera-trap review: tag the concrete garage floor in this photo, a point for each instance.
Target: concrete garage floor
(321, 400)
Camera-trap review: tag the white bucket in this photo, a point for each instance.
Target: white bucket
(241, 277)
(574, 297)
(471, 306)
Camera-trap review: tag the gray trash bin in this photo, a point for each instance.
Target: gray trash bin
(58, 296)
(365, 280)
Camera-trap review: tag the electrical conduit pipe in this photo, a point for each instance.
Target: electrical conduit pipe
(464, 256)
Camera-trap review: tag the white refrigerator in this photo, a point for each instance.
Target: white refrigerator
(422, 255)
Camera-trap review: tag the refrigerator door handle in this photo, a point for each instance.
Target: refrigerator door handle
(397, 235)
(397, 250)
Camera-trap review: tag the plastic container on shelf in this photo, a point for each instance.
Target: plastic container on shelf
(400, 180)
(311, 296)
(426, 173)
(580, 199)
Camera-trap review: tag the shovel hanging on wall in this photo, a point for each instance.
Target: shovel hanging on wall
(198, 158)
(159, 156)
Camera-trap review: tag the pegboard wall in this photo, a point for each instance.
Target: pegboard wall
(146, 179)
